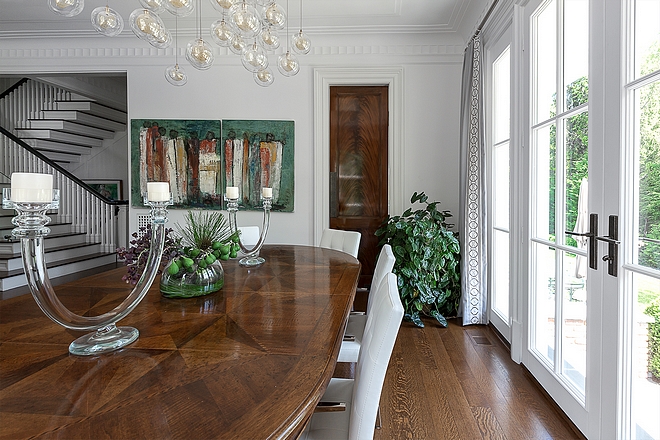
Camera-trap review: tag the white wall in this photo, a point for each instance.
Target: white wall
(432, 71)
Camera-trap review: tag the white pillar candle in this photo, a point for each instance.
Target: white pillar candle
(232, 192)
(31, 188)
(158, 191)
(267, 192)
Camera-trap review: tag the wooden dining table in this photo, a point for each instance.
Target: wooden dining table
(250, 361)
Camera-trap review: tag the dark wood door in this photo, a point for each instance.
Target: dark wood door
(358, 166)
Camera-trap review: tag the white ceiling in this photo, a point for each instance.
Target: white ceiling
(34, 18)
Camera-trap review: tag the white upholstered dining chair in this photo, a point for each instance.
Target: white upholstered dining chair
(350, 346)
(360, 397)
(345, 241)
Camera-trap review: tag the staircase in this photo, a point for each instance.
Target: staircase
(46, 129)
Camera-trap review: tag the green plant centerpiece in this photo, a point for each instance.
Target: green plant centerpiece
(205, 240)
(427, 261)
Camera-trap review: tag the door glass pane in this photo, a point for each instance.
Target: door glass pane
(544, 301)
(574, 311)
(647, 37)
(544, 175)
(545, 71)
(645, 386)
(647, 143)
(501, 186)
(501, 96)
(500, 273)
(576, 52)
(576, 162)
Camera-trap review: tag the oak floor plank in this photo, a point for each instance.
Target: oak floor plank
(460, 383)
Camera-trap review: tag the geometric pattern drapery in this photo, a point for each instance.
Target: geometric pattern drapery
(474, 300)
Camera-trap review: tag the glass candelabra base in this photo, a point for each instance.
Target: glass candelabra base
(251, 261)
(106, 339)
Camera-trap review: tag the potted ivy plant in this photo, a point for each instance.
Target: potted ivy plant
(427, 261)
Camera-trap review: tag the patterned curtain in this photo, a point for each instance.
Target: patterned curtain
(474, 301)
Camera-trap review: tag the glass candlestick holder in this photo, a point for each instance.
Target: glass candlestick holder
(30, 222)
(252, 257)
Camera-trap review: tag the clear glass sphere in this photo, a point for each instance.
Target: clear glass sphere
(221, 33)
(199, 54)
(67, 8)
(149, 27)
(254, 58)
(245, 20)
(156, 6)
(287, 64)
(180, 8)
(269, 38)
(107, 21)
(264, 77)
(300, 43)
(141, 22)
(263, 2)
(237, 45)
(222, 5)
(176, 76)
(274, 15)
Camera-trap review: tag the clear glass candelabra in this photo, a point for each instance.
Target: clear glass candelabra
(31, 229)
(252, 257)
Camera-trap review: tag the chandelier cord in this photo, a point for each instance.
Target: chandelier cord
(176, 40)
(301, 16)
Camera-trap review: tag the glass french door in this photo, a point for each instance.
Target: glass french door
(559, 154)
(593, 333)
(639, 289)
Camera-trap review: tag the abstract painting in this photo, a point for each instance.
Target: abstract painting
(200, 158)
(184, 153)
(258, 154)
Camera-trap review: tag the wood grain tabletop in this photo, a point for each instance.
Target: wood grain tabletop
(248, 362)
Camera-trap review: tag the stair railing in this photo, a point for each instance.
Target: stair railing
(103, 220)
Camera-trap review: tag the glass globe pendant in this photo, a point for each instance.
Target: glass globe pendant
(156, 6)
(180, 8)
(67, 8)
(287, 64)
(176, 76)
(300, 43)
(221, 33)
(237, 45)
(274, 15)
(107, 21)
(245, 19)
(222, 5)
(254, 58)
(264, 77)
(199, 54)
(149, 27)
(269, 38)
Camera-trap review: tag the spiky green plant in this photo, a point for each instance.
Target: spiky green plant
(202, 229)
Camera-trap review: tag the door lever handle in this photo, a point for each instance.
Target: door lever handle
(612, 240)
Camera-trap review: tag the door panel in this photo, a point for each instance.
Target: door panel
(358, 165)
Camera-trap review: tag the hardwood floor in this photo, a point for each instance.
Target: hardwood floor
(460, 383)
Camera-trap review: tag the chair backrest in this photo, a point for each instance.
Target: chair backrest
(384, 265)
(345, 241)
(249, 235)
(375, 350)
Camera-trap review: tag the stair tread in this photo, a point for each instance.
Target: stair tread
(10, 273)
(70, 127)
(53, 249)
(85, 119)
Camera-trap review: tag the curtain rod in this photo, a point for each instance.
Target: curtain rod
(483, 22)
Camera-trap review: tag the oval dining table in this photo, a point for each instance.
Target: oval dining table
(250, 361)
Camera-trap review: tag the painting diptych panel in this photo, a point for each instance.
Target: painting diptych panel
(200, 158)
